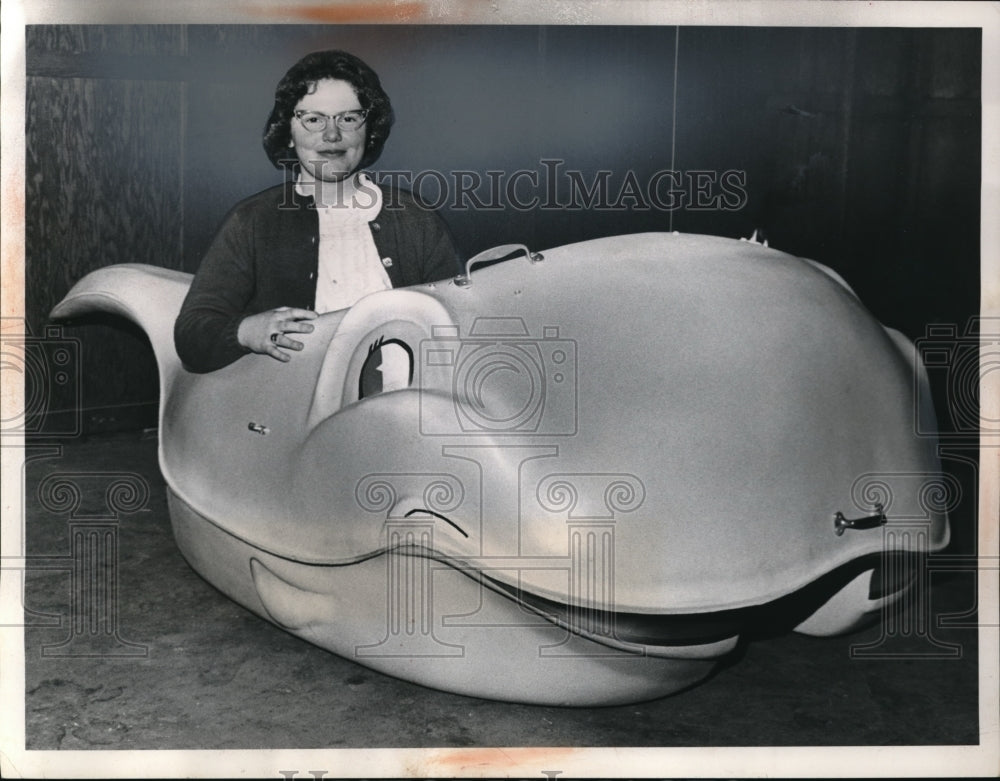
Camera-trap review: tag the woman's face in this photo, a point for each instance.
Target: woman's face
(331, 154)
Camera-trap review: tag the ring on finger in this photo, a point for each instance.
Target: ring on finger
(274, 337)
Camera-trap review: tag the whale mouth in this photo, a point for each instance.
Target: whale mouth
(776, 617)
(628, 627)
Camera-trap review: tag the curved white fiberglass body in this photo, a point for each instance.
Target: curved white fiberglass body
(574, 481)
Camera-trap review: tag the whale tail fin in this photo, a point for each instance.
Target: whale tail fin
(149, 296)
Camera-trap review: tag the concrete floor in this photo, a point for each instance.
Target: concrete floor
(192, 670)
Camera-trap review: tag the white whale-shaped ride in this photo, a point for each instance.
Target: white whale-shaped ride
(600, 465)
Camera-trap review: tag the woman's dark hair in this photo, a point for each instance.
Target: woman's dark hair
(301, 80)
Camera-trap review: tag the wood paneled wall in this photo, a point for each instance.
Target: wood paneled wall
(103, 179)
(860, 146)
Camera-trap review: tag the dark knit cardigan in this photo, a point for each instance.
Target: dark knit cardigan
(266, 255)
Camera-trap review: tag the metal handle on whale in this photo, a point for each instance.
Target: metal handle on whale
(495, 253)
(869, 522)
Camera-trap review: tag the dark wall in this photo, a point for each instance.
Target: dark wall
(468, 99)
(103, 185)
(856, 147)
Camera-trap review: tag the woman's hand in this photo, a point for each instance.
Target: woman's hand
(267, 332)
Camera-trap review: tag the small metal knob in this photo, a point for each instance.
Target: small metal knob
(840, 523)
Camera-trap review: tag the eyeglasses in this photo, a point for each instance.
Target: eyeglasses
(317, 121)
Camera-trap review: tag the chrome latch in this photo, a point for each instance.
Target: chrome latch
(868, 522)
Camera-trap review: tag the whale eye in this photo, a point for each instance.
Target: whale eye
(388, 367)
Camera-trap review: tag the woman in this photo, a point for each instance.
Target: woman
(320, 241)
